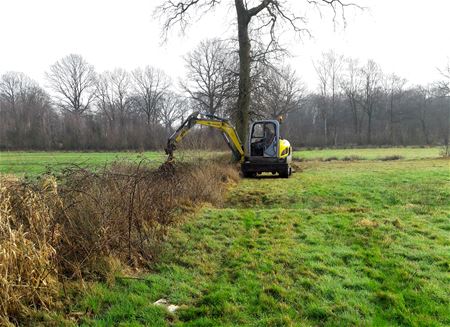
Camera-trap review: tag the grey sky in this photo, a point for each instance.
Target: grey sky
(409, 37)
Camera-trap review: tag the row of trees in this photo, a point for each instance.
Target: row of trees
(112, 110)
(354, 103)
(357, 103)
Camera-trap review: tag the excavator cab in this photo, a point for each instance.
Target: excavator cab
(266, 151)
(263, 139)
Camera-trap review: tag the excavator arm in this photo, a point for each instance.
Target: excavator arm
(229, 133)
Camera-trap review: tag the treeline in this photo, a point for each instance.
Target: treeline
(353, 104)
(357, 104)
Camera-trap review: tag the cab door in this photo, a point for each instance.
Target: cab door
(264, 139)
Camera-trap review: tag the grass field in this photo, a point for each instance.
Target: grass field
(368, 154)
(33, 163)
(362, 243)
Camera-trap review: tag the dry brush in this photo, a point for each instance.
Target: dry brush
(83, 223)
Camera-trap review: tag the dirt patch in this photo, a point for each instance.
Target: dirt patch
(296, 166)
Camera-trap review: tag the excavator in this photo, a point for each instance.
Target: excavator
(266, 151)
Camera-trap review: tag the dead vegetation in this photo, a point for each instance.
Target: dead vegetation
(367, 223)
(83, 224)
(27, 234)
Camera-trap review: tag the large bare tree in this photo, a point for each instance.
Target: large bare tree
(210, 79)
(113, 95)
(260, 16)
(73, 81)
(150, 84)
(12, 85)
(280, 92)
(171, 109)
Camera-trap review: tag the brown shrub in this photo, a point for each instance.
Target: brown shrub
(126, 210)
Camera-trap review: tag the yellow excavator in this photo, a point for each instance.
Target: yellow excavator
(266, 150)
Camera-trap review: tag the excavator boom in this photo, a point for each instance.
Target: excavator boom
(229, 133)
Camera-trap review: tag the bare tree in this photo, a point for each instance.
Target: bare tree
(25, 112)
(328, 69)
(351, 84)
(113, 95)
(265, 15)
(12, 84)
(281, 92)
(171, 110)
(425, 94)
(73, 81)
(150, 84)
(210, 79)
(393, 88)
(371, 75)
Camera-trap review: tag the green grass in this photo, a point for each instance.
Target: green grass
(363, 243)
(368, 154)
(34, 163)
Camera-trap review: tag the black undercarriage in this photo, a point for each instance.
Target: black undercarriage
(252, 167)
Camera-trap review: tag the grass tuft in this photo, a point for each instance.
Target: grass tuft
(367, 223)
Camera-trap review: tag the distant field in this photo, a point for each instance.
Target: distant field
(39, 162)
(33, 163)
(369, 153)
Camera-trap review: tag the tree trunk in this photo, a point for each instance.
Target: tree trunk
(391, 120)
(425, 131)
(369, 128)
(333, 102)
(244, 72)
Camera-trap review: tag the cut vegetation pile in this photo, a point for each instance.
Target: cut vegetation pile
(83, 224)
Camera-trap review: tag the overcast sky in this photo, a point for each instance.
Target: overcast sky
(408, 37)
